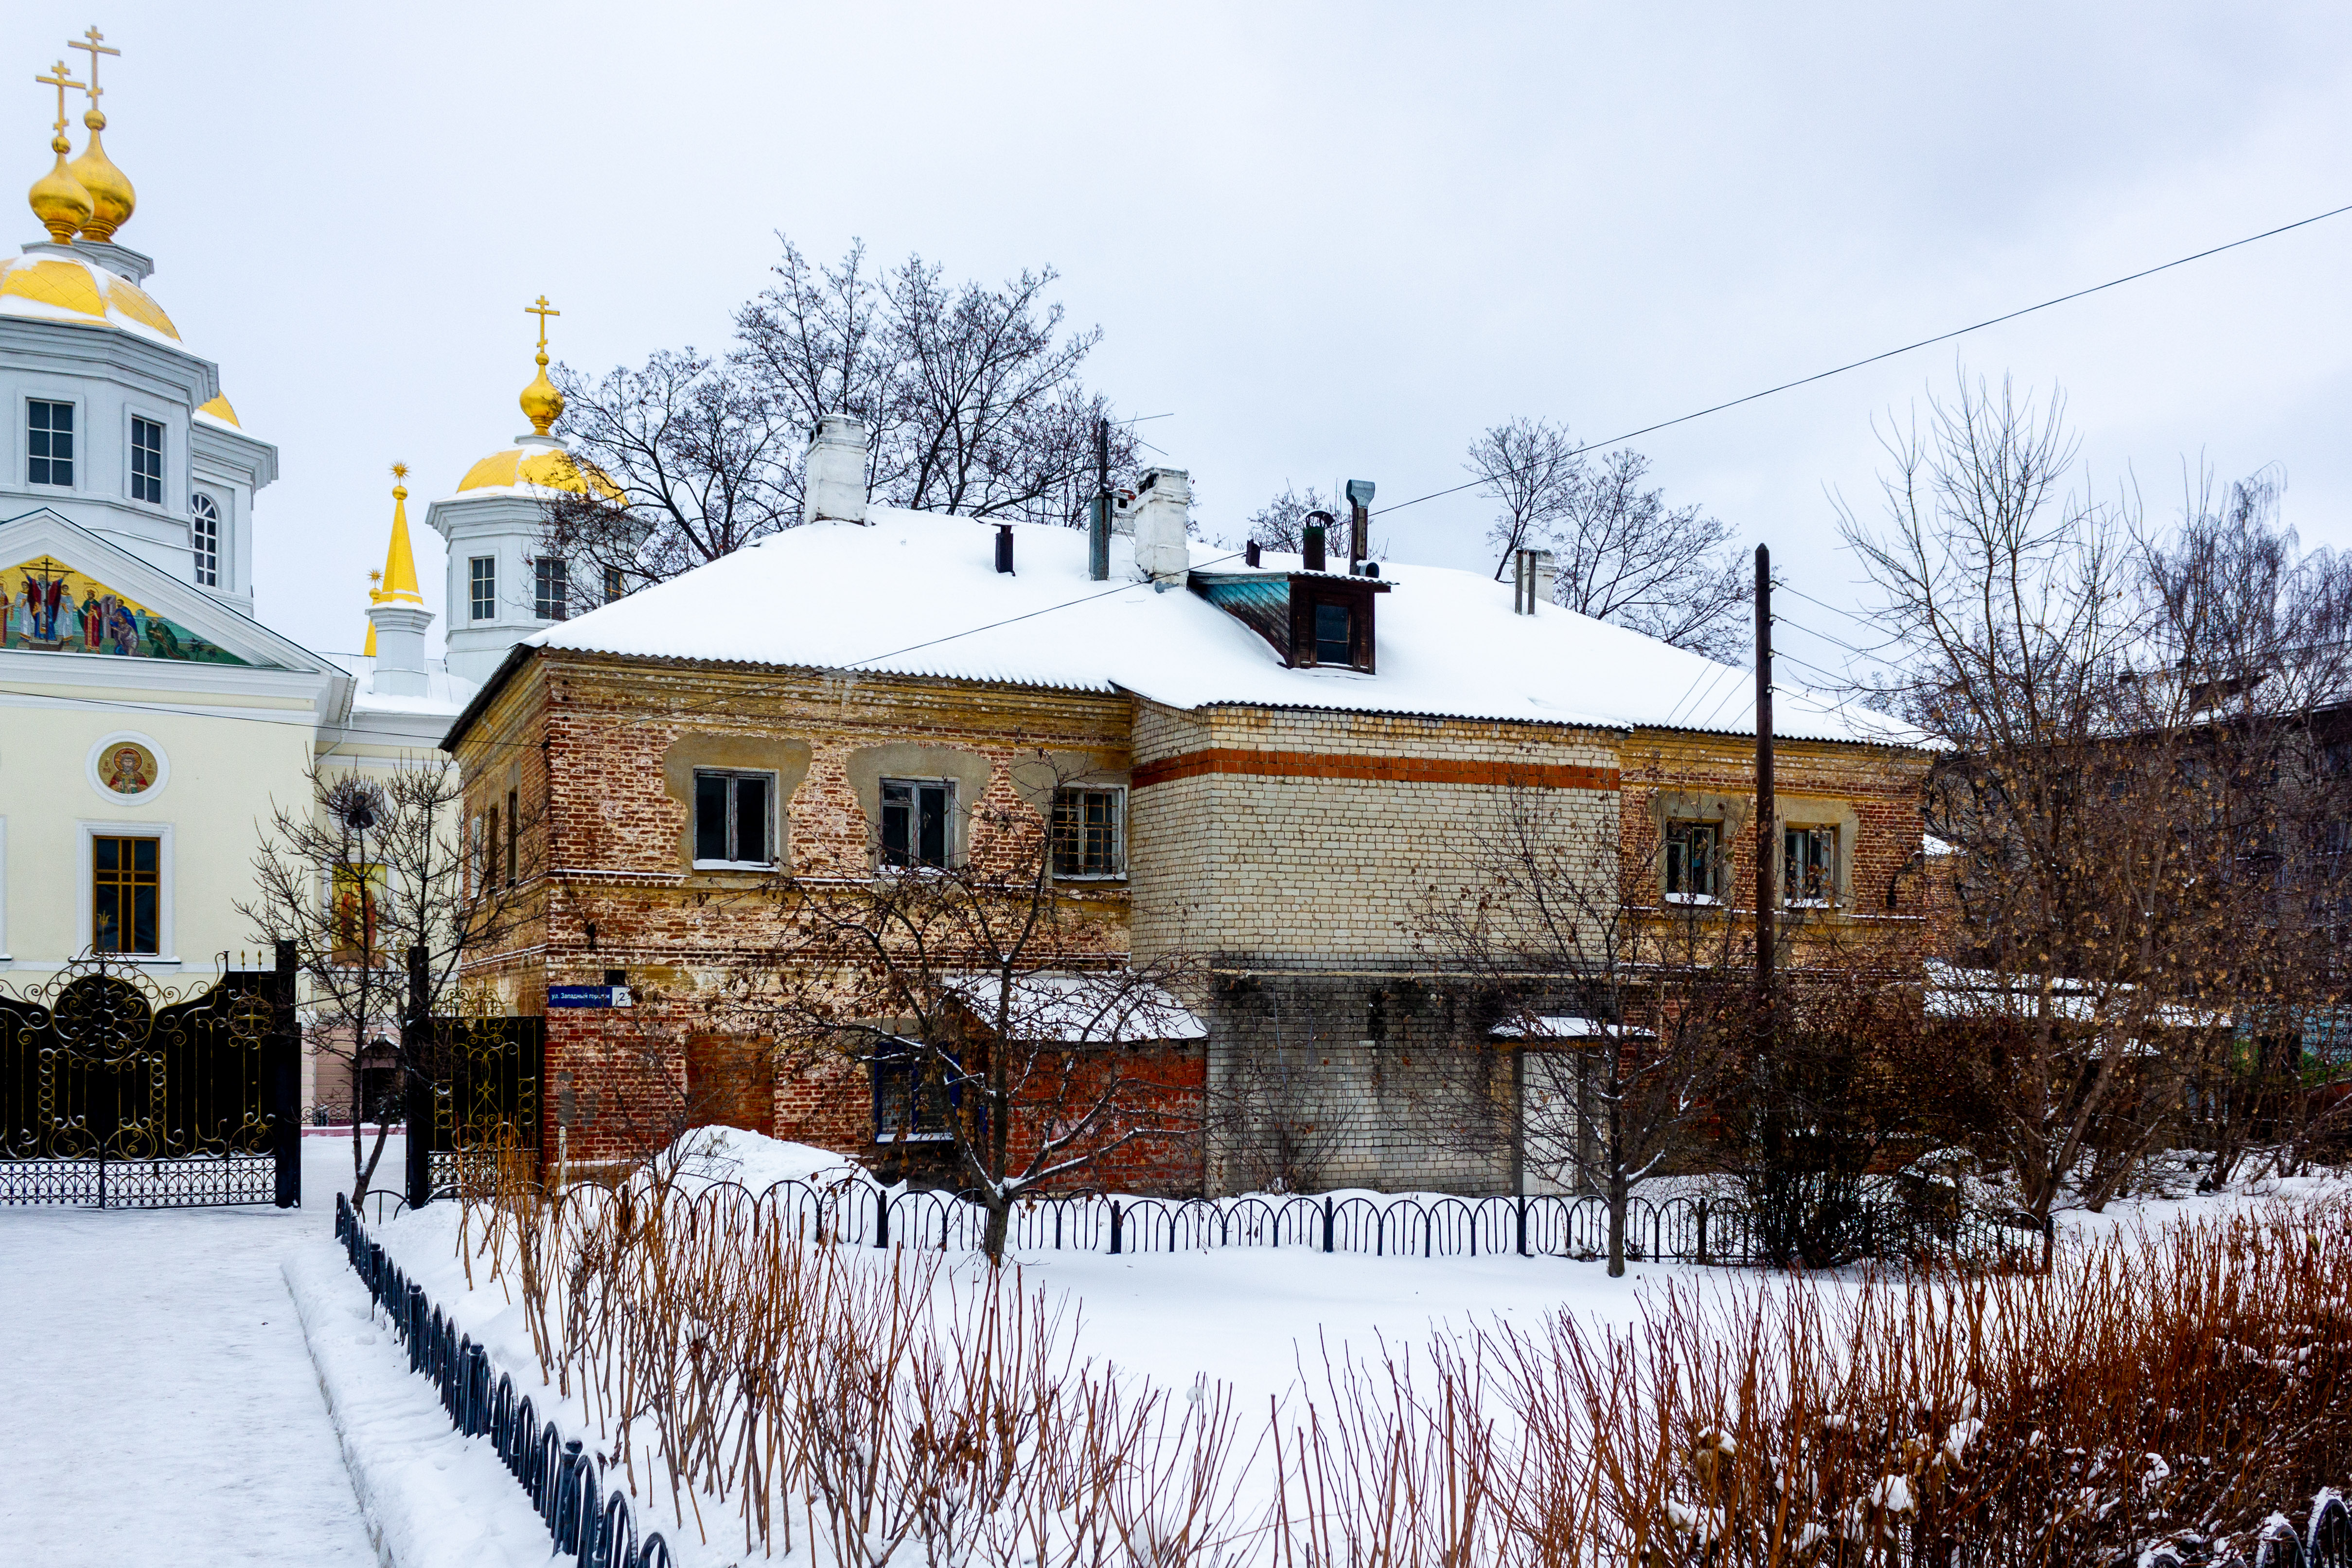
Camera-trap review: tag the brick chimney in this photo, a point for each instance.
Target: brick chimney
(832, 484)
(1162, 502)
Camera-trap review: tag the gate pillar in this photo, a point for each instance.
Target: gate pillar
(285, 1069)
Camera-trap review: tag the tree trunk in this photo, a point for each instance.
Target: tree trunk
(1618, 1186)
(999, 1217)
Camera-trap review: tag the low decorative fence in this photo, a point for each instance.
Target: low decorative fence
(1703, 1230)
(564, 1483)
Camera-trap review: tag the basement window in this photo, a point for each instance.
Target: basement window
(917, 822)
(734, 821)
(910, 1104)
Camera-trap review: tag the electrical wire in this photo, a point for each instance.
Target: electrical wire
(1891, 353)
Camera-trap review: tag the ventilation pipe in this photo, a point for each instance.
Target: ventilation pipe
(1004, 548)
(832, 487)
(1250, 553)
(1163, 504)
(1360, 523)
(1310, 540)
(1531, 579)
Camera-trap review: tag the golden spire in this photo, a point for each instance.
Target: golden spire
(60, 201)
(374, 597)
(399, 575)
(542, 403)
(111, 198)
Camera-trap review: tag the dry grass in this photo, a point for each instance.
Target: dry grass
(866, 1407)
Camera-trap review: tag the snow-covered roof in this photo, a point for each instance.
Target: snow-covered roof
(1078, 1007)
(1954, 992)
(916, 593)
(445, 694)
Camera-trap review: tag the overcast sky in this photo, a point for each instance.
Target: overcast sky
(1333, 241)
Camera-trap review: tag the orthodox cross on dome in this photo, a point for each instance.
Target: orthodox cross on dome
(60, 78)
(543, 404)
(93, 47)
(111, 198)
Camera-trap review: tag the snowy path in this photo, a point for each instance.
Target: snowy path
(162, 1406)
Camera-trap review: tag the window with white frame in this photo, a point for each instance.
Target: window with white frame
(146, 460)
(1694, 853)
(482, 588)
(550, 588)
(48, 443)
(1809, 867)
(734, 818)
(205, 540)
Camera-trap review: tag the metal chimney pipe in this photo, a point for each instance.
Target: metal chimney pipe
(1004, 548)
(1250, 553)
(1311, 539)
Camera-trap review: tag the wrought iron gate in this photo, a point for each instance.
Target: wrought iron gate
(118, 1093)
(476, 1102)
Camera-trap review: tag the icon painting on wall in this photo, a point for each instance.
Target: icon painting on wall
(128, 769)
(51, 608)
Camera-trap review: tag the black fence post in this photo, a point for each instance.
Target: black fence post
(415, 1035)
(1328, 1226)
(882, 1217)
(285, 1067)
(1114, 1226)
(1523, 1226)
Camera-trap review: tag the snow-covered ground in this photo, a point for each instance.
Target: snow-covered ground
(163, 1406)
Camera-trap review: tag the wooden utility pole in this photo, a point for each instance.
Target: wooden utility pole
(1767, 899)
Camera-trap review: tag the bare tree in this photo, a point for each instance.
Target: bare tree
(1622, 554)
(373, 882)
(2118, 725)
(973, 393)
(1622, 1009)
(994, 1009)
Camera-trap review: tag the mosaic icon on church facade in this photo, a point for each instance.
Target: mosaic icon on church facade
(51, 608)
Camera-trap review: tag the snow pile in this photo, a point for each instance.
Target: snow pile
(706, 1156)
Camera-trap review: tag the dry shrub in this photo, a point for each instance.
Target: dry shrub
(899, 1406)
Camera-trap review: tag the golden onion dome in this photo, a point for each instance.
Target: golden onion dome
(61, 202)
(112, 199)
(57, 286)
(541, 462)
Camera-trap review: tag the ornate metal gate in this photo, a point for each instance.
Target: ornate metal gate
(117, 1092)
(479, 1095)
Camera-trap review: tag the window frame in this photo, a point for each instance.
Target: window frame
(550, 572)
(616, 584)
(731, 813)
(73, 431)
(1827, 898)
(481, 588)
(1686, 828)
(166, 936)
(948, 836)
(907, 1061)
(135, 469)
(1117, 793)
(203, 508)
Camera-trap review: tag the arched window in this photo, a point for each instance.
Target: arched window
(204, 538)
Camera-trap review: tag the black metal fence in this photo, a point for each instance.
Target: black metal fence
(565, 1483)
(2324, 1540)
(1705, 1230)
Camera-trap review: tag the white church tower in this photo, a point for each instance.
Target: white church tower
(503, 583)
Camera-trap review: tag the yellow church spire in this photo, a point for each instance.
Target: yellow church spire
(542, 403)
(376, 579)
(399, 566)
(60, 201)
(112, 199)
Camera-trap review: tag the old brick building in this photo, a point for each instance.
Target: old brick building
(1265, 771)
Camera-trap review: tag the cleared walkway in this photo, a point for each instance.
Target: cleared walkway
(161, 1407)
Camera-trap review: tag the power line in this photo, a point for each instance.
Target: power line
(1891, 353)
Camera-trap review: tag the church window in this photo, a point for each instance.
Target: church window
(482, 586)
(204, 538)
(733, 819)
(614, 586)
(916, 815)
(146, 460)
(550, 586)
(125, 889)
(49, 443)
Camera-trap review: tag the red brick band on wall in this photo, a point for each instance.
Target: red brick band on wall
(1391, 769)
